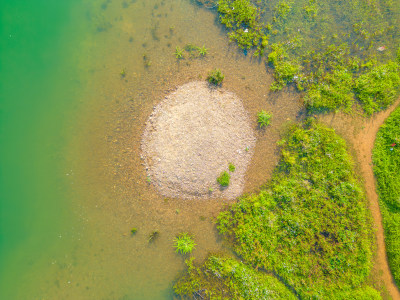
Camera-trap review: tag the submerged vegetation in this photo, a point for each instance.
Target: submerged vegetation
(215, 77)
(386, 158)
(335, 66)
(226, 278)
(192, 50)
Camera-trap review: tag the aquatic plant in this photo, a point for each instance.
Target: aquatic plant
(179, 52)
(215, 77)
(386, 159)
(122, 73)
(231, 167)
(241, 18)
(153, 236)
(378, 86)
(224, 179)
(202, 51)
(309, 50)
(184, 243)
(263, 119)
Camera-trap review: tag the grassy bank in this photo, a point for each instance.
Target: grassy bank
(386, 159)
(309, 226)
(340, 54)
(226, 278)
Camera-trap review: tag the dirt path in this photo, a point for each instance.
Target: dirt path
(364, 143)
(361, 134)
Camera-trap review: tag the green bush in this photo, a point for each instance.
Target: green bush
(263, 119)
(311, 224)
(386, 159)
(224, 179)
(231, 167)
(226, 278)
(333, 91)
(215, 77)
(378, 87)
(184, 243)
(241, 18)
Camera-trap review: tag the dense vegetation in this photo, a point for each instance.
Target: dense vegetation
(310, 224)
(337, 52)
(386, 158)
(226, 278)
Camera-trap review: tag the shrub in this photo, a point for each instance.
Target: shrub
(263, 119)
(224, 179)
(378, 87)
(215, 77)
(184, 243)
(231, 167)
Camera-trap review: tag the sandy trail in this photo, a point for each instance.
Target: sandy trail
(363, 144)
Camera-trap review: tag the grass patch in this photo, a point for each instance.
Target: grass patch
(310, 224)
(338, 53)
(263, 119)
(226, 278)
(224, 179)
(184, 243)
(386, 159)
(215, 77)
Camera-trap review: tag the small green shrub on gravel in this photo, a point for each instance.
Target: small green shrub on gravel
(386, 158)
(224, 179)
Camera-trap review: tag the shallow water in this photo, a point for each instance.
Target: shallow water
(72, 181)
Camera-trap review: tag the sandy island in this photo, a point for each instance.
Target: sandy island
(191, 137)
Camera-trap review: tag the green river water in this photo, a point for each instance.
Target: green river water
(71, 180)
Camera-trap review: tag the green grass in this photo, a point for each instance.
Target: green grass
(224, 179)
(215, 77)
(310, 224)
(328, 49)
(386, 159)
(178, 52)
(227, 278)
(263, 119)
(184, 243)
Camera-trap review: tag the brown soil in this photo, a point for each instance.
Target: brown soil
(363, 140)
(190, 139)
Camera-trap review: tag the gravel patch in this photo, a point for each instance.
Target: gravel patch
(191, 137)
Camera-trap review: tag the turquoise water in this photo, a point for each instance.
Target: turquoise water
(38, 90)
(72, 184)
